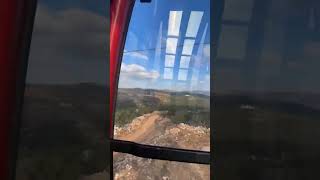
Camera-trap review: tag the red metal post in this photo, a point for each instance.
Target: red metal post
(8, 64)
(120, 16)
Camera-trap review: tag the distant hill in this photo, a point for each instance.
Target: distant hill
(62, 125)
(289, 101)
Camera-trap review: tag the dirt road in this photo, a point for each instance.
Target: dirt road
(146, 128)
(155, 129)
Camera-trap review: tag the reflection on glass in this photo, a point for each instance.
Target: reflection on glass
(169, 61)
(171, 109)
(184, 61)
(174, 23)
(157, 55)
(238, 10)
(162, 102)
(183, 75)
(233, 41)
(168, 73)
(194, 23)
(172, 45)
(126, 166)
(62, 133)
(267, 106)
(188, 46)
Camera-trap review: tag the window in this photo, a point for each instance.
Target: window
(133, 167)
(238, 10)
(62, 133)
(266, 103)
(233, 42)
(163, 99)
(236, 19)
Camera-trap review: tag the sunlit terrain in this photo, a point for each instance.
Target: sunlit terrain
(162, 118)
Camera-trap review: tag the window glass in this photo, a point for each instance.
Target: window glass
(172, 45)
(184, 61)
(267, 106)
(164, 89)
(168, 73)
(169, 61)
(194, 23)
(238, 10)
(127, 166)
(183, 74)
(174, 23)
(232, 43)
(64, 113)
(187, 47)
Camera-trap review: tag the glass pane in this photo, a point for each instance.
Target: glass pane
(126, 166)
(188, 46)
(267, 106)
(238, 10)
(194, 23)
(173, 108)
(169, 61)
(172, 45)
(174, 23)
(184, 62)
(63, 121)
(168, 73)
(183, 74)
(233, 41)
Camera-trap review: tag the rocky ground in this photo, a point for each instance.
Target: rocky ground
(155, 129)
(98, 176)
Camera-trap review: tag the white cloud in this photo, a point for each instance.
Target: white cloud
(200, 83)
(138, 55)
(135, 71)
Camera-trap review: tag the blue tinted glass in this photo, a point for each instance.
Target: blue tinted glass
(164, 87)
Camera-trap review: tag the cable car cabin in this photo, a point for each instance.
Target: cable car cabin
(222, 85)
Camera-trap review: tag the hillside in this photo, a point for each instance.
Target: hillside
(62, 132)
(161, 118)
(181, 107)
(154, 129)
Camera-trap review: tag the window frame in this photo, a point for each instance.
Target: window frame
(142, 150)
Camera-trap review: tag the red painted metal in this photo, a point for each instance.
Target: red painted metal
(8, 65)
(120, 16)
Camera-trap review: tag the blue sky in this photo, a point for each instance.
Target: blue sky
(168, 46)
